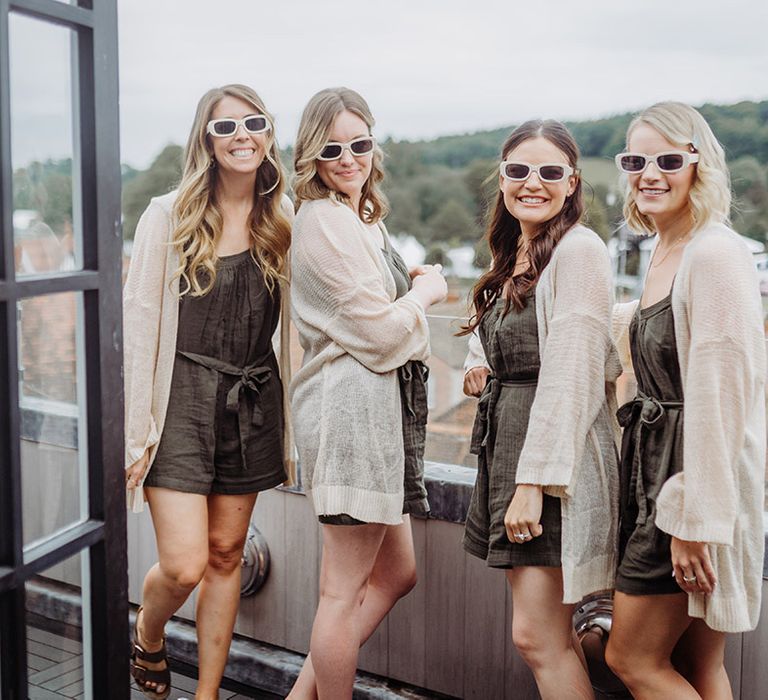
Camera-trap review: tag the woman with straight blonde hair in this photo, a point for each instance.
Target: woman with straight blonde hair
(693, 450)
(204, 400)
(361, 318)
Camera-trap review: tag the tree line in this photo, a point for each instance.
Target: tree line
(440, 189)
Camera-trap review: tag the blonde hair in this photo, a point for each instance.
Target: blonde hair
(314, 132)
(710, 195)
(198, 217)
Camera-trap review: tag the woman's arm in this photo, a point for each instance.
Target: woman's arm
(142, 306)
(725, 370)
(339, 289)
(571, 386)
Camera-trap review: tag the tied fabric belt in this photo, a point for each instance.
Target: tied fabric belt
(481, 431)
(651, 411)
(642, 412)
(250, 378)
(408, 383)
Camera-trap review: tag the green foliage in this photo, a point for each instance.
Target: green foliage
(161, 177)
(436, 255)
(46, 188)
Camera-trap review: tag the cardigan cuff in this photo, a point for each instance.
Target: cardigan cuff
(711, 532)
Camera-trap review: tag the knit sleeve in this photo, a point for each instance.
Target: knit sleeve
(725, 361)
(475, 353)
(339, 289)
(620, 320)
(571, 386)
(142, 306)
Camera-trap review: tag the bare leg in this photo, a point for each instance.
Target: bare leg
(349, 554)
(644, 633)
(219, 594)
(393, 576)
(699, 657)
(181, 529)
(542, 632)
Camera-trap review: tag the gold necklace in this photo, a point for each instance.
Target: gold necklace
(655, 264)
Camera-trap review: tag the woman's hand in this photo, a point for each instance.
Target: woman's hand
(430, 286)
(417, 270)
(524, 513)
(692, 566)
(475, 379)
(135, 472)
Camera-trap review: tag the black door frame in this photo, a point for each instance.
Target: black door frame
(95, 97)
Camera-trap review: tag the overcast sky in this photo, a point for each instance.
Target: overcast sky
(426, 67)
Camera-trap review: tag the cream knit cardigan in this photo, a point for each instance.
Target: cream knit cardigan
(346, 396)
(718, 498)
(570, 445)
(150, 325)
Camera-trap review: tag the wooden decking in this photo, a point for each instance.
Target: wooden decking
(55, 662)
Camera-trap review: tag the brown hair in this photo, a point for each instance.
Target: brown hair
(504, 231)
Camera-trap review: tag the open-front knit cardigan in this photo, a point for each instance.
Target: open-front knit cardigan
(150, 325)
(718, 498)
(575, 395)
(346, 398)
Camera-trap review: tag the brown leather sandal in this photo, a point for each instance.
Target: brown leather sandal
(143, 675)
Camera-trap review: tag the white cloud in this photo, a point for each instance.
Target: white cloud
(426, 67)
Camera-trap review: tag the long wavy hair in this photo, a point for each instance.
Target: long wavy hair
(504, 230)
(710, 195)
(197, 214)
(314, 132)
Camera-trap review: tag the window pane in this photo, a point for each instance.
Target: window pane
(46, 223)
(58, 646)
(52, 406)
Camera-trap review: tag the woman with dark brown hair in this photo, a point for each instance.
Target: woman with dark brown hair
(544, 505)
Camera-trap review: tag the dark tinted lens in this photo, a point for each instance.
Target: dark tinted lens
(361, 147)
(331, 151)
(256, 124)
(224, 127)
(516, 171)
(632, 164)
(553, 173)
(670, 161)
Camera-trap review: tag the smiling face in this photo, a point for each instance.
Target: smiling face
(349, 173)
(242, 153)
(533, 202)
(660, 196)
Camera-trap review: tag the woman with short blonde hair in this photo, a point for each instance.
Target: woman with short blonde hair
(203, 396)
(693, 450)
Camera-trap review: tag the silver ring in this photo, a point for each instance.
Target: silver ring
(527, 537)
(689, 580)
(520, 536)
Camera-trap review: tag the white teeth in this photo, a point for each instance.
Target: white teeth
(648, 191)
(242, 152)
(531, 200)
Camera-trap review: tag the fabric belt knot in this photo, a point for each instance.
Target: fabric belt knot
(651, 411)
(408, 386)
(486, 405)
(250, 378)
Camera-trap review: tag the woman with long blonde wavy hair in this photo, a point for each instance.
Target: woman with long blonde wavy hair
(203, 395)
(361, 318)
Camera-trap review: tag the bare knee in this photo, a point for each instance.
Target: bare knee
(225, 557)
(531, 641)
(628, 668)
(184, 575)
